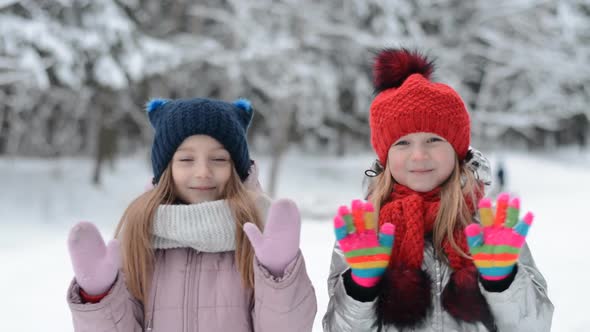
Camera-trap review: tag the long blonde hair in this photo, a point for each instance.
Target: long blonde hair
(135, 231)
(454, 211)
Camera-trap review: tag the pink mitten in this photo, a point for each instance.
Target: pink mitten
(95, 265)
(279, 244)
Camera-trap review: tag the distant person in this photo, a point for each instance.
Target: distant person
(501, 177)
(581, 137)
(402, 261)
(189, 254)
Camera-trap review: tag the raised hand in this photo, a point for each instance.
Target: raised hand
(366, 252)
(95, 265)
(279, 244)
(495, 245)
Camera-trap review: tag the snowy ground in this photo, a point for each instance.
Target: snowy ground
(40, 201)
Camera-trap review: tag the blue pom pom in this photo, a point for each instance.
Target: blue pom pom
(154, 104)
(244, 104)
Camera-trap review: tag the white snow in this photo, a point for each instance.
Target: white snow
(40, 200)
(108, 73)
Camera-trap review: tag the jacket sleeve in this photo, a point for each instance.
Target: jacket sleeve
(118, 311)
(524, 305)
(345, 314)
(285, 304)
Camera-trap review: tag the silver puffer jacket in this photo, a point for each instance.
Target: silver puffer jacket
(523, 307)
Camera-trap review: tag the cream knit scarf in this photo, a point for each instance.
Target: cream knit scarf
(207, 227)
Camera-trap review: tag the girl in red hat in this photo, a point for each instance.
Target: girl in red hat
(418, 256)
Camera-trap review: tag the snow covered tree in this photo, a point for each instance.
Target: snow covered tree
(64, 67)
(72, 71)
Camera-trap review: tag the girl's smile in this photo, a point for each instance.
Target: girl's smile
(421, 161)
(201, 168)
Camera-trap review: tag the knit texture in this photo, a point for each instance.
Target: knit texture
(408, 102)
(175, 120)
(207, 227)
(413, 215)
(405, 300)
(495, 247)
(366, 252)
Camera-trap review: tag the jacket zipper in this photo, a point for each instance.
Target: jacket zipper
(438, 293)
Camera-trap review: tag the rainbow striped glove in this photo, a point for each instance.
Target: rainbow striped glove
(496, 246)
(365, 252)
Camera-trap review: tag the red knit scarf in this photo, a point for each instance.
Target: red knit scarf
(405, 297)
(413, 214)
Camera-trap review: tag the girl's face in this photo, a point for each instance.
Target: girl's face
(421, 161)
(201, 168)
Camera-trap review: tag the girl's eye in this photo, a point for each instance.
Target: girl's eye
(434, 139)
(186, 159)
(401, 143)
(221, 159)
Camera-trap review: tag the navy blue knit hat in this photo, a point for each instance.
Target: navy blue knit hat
(175, 120)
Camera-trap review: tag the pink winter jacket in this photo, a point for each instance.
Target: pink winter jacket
(196, 291)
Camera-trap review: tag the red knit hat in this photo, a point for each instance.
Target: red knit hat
(408, 102)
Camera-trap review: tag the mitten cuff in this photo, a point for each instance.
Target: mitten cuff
(498, 286)
(356, 291)
(87, 298)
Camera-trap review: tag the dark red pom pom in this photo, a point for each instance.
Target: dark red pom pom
(405, 299)
(463, 300)
(393, 66)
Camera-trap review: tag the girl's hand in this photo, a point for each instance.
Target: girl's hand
(95, 265)
(495, 247)
(365, 252)
(279, 244)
